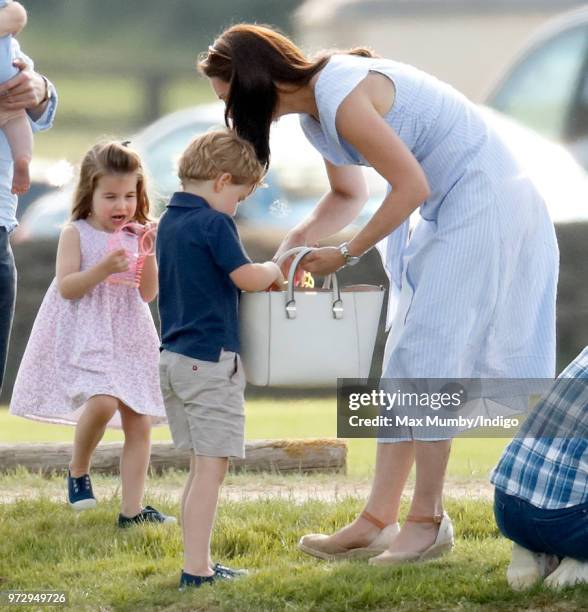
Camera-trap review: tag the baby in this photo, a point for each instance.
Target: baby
(14, 124)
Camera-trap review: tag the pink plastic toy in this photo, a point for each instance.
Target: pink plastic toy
(138, 241)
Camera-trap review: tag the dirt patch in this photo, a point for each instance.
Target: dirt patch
(250, 491)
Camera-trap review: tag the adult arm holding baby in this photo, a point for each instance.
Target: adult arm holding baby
(22, 89)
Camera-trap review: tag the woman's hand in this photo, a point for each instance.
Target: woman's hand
(323, 261)
(292, 240)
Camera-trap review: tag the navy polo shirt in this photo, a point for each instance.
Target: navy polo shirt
(197, 248)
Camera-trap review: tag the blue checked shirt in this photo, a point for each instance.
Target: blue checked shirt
(547, 463)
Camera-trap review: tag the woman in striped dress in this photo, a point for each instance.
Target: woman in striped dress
(472, 292)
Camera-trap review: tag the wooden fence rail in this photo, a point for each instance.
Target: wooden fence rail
(307, 456)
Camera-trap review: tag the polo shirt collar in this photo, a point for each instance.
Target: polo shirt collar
(182, 199)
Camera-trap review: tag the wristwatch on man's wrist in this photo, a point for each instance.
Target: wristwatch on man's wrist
(350, 260)
(48, 91)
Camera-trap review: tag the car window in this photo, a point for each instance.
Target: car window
(540, 90)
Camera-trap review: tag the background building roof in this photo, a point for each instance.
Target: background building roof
(351, 9)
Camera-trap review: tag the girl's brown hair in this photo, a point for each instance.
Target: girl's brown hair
(105, 158)
(254, 59)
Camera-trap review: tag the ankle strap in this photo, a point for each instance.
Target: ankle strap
(373, 520)
(436, 518)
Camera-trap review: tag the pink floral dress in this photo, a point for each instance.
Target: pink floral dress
(104, 343)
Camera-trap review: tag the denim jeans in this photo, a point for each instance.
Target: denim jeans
(7, 297)
(562, 532)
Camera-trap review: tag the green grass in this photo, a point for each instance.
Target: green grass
(282, 418)
(108, 96)
(70, 144)
(43, 545)
(115, 107)
(100, 97)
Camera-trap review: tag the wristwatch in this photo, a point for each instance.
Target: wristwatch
(48, 89)
(350, 260)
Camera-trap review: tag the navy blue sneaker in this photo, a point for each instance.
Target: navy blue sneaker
(189, 580)
(147, 515)
(220, 573)
(232, 573)
(79, 492)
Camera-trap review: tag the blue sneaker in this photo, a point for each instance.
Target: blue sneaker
(79, 492)
(220, 573)
(232, 573)
(147, 515)
(189, 580)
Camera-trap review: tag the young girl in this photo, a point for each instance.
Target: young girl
(92, 358)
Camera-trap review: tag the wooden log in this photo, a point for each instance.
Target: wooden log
(305, 455)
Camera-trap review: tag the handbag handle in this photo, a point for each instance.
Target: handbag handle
(331, 282)
(294, 251)
(290, 252)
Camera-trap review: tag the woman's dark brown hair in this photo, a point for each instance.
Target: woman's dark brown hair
(254, 59)
(111, 157)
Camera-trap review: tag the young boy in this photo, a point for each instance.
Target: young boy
(202, 268)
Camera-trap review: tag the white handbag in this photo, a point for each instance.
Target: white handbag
(309, 337)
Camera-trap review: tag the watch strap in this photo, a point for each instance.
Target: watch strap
(47, 95)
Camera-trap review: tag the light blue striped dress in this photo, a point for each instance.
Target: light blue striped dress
(473, 290)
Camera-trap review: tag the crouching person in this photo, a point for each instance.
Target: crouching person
(541, 480)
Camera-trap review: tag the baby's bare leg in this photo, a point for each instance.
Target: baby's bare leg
(20, 138)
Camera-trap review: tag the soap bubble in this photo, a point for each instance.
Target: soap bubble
(280, 209)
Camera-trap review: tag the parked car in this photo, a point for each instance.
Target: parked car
(546, 86)
(297, 178)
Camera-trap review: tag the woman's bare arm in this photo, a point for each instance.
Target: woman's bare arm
(335, 210)
(360, 122)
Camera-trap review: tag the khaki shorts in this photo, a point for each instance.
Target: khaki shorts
(205, 403)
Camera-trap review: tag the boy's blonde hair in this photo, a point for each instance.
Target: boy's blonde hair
(214, 153)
